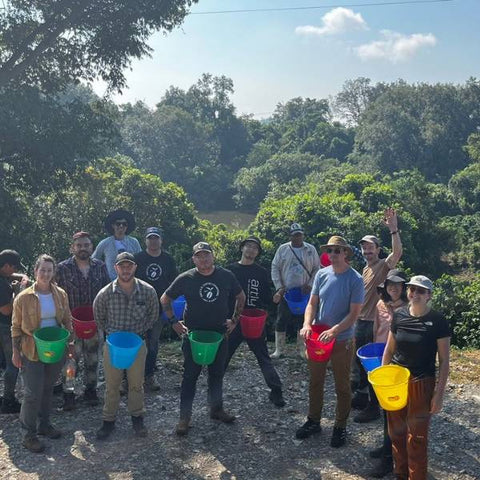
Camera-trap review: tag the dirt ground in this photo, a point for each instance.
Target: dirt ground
(260, 445)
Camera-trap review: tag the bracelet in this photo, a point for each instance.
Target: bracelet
(393, 233)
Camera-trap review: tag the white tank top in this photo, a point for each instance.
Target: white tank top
(47, 310)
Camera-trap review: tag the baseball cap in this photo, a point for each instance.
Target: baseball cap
(202, 247)
(295, 228)
(370, 239)
(253, 239)
(153, 231)
(12, 257)
(421, 281)
(125, 257)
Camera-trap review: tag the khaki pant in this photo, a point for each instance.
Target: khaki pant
(408, 430)
(113, 379)
(341, 360)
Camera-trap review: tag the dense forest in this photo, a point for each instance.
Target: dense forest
(68, 157)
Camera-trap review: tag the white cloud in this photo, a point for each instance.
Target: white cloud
(338, 20)
(395, 47)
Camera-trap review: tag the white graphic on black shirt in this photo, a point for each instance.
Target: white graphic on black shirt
(154, 272)
(209, 292)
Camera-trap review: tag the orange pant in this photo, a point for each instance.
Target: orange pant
(408, 430)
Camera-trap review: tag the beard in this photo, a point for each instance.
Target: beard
(83, 255)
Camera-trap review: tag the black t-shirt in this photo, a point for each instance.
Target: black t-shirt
(416, 339)
(256, 283)
(6, 295)
(207, 297)
(159, 271)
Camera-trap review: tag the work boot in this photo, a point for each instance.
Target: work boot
(369, 414)
(33, 443)
(10, 405)
(276, 397)
(90, 397)
(359, 400)
(301, 347)
(151, 384)
(308, 429)
(339, 437)
(182, 427)
(221, 415)
(49, 431)
(138, 426)
(280, 338)
(383, 468)
(68, 402)
(105, 430)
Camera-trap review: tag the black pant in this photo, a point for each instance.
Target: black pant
(364, 335)
(191, 372)
(259, 348)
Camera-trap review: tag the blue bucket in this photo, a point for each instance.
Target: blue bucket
(123, 348)
(296, 300)
(371, 355)
(179, 307)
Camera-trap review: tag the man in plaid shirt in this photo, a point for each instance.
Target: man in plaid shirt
(126, 304)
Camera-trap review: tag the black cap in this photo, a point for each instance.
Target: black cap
(153, 231)
(125, 257)
(253, 239)
(202, 247)
(12, 257)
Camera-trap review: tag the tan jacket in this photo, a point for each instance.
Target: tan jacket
(26, 317)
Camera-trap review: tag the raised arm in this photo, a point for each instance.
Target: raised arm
(391, 221)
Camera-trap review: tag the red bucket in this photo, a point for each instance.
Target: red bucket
(84, 324)
(317, 350)
(252, 321)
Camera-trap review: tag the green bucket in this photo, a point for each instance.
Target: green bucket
(204, 344)
(51, 343)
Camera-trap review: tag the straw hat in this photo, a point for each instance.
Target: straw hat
(338, 241)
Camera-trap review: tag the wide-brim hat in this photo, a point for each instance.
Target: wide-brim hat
(338, 241)
(394, 276)
(112, 217)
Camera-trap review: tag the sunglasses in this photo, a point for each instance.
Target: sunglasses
(121, 224)
(419, 290)
(336, 251)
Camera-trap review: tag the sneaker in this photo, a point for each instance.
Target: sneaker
(182, 427)
(359, 400)
(33, 443)
(276, 398)
(10, 406)
(222, 416)
(151, 384)
(49, 431)
(105, 430)
(138, 426)
(376, 452)
(383, 468)
(369, 414)
(68, 402)
(308, 429)
(90, 397)
(339, 437)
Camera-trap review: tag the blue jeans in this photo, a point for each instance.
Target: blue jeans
(11, 372)
(152, 340)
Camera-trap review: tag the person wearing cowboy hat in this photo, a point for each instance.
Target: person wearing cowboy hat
(336, 300)
(118, 224)
(374, 273)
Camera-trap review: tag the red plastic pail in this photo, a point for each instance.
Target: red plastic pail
(317, 350)
(83, 322)
(252, 321)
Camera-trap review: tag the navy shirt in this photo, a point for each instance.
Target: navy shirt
(416, 340)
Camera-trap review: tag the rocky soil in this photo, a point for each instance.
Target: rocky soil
(260, 445)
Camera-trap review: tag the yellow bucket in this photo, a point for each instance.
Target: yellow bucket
(390, 383)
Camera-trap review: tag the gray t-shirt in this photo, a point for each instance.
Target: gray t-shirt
(336, 291)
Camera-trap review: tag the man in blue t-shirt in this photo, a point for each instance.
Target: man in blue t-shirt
(336, 300)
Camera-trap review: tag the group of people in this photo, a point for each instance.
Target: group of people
(133, 290)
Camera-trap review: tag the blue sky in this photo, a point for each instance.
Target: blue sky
(274, 56)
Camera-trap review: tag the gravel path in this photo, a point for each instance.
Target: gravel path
(260, 445)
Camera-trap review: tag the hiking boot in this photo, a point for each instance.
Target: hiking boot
(376, 452)
(182, 427)
(276, 398)
(359, 400)
(138, 426)
(49, 431)
(308, 429)
(222, 416)
(105, 430)
(369, 414)
(68, 402)
(33, 443)
(90, 397)
(151, 384)
(339, 437)
(10, 405)
(383, 468)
